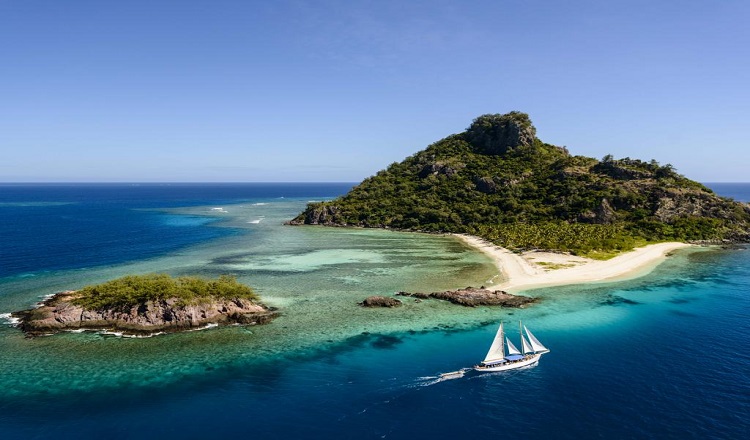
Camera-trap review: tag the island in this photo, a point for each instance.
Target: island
(521, 200)
(147, 304)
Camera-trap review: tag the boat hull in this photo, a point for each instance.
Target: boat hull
(532, 360)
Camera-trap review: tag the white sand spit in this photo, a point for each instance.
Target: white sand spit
(542, 269)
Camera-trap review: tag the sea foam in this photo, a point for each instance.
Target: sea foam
(207, 326)
(9, 319)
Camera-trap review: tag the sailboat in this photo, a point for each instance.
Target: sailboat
(497, 359)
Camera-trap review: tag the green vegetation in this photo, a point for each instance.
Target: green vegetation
(132, 290)
(554, 266)
(498, 181)
(577, 238)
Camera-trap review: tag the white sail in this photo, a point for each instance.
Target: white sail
(496, 361)
(511, 348)
(535, 344)
(526, 346)
(497, 351)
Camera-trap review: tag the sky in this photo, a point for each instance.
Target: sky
(297, 91)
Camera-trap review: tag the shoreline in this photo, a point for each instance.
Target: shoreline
(533, 270)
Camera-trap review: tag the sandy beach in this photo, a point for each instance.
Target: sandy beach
(542, 269)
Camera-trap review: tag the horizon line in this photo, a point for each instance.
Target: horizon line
(185, 182)
(145, 182)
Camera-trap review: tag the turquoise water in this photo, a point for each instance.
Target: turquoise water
(663, 356)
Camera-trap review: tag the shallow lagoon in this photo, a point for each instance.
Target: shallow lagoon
(315, 276)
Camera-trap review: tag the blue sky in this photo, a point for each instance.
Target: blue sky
(336, 90)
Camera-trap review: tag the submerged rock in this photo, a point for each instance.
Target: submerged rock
(380, 301)
(472, 297)
(59, 313)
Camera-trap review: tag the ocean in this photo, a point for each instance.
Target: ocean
(661, 356)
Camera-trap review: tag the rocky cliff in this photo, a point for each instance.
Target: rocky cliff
(60, 313)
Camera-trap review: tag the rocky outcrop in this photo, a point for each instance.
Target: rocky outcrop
(485, 184)
(318, 214)
(673, 203)
(436, 169)
(59, 313)
(495, 134)
(472, 297)
(616, 171)
(603, 215)
(380, 301)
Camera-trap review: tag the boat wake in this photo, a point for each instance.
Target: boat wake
(399, 389)
(498, 364)
(467, 373)
(442, 377)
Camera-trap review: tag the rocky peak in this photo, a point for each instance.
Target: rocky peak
(496, 134)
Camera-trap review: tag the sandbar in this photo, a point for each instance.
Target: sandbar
(530, 270)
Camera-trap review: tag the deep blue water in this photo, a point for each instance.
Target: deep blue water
(665, 356)
(47, 227)
(737, 191)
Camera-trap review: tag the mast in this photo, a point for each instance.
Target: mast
(502, 340)
(520, 333)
